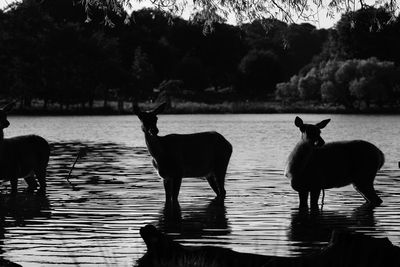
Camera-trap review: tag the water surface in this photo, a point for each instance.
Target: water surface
(119, 192)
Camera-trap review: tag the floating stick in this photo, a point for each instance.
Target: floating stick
(323, 198)
(82, 152)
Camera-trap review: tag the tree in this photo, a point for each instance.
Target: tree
(143, 72)
(309, 86)
(248, 10)
(24, 26)
(288, 90)
(265, 34)
(352, 83)
(260, 72)
(368, 32)
(191, 72)
(301, 43)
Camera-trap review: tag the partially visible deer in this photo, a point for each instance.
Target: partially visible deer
(176, 156)
(313, 165)
(22, 156)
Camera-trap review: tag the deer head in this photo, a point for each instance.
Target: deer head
(311, 132)
(4, 123)
(149, 119)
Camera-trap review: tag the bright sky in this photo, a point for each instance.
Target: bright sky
(323, 22)
(4, 3)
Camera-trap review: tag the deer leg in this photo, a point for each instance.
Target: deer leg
(303, 197)
(211, 181)
(41, 176)
(168, 189)
(31, 181)
(220, 180)
(14, 185)
(176, 186)
(369, 194)
(314, 198)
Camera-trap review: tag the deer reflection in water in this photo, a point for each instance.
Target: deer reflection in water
(18, 208)
(24, 206)
(195, 222)
(312, 229)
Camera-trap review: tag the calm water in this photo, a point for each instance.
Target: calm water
(119, 192)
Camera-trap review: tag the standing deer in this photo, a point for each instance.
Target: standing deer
(22, 156)
(176, 156)
(314, 166)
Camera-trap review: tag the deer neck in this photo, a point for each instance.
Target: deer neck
(154, 145)
(299, 157)
(302, 149)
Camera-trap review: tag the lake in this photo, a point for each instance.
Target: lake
(119, 191)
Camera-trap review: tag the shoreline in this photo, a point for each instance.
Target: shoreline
(189, 107)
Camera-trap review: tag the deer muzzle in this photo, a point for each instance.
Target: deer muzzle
(319, 142)
(153, 131)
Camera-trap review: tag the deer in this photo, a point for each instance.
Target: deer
(314, 165)
(23, 156)
(177, 156)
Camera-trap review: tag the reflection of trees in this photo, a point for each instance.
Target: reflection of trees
(193, 222)
(102, 164)
(310, 229)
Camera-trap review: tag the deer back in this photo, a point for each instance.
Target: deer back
(190, 154)
(334, 164)
(21, 155)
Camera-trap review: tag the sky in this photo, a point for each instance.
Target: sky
(322, 22)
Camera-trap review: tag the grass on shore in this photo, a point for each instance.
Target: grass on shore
(191, 107)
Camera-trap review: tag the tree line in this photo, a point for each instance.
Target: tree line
(54, 51)
(358, 67)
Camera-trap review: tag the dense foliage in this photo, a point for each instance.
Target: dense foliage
(48, 51)
(246, 10)
(352, 82)
(358, 67)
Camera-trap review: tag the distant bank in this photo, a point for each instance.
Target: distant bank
(189, 107)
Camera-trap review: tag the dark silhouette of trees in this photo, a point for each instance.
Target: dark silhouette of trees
(260, 72)
(143, 72)
(368, 33)
(358, 66)
(51, 52)
(354, 83)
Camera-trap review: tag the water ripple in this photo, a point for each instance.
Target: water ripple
(119, 192)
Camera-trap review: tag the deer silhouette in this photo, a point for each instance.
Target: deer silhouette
(176, 156)
(314, 165)
(22, 156)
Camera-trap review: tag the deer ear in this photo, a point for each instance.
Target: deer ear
(160, 108)
(8, 107)
(298, 122)
(323, 123)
